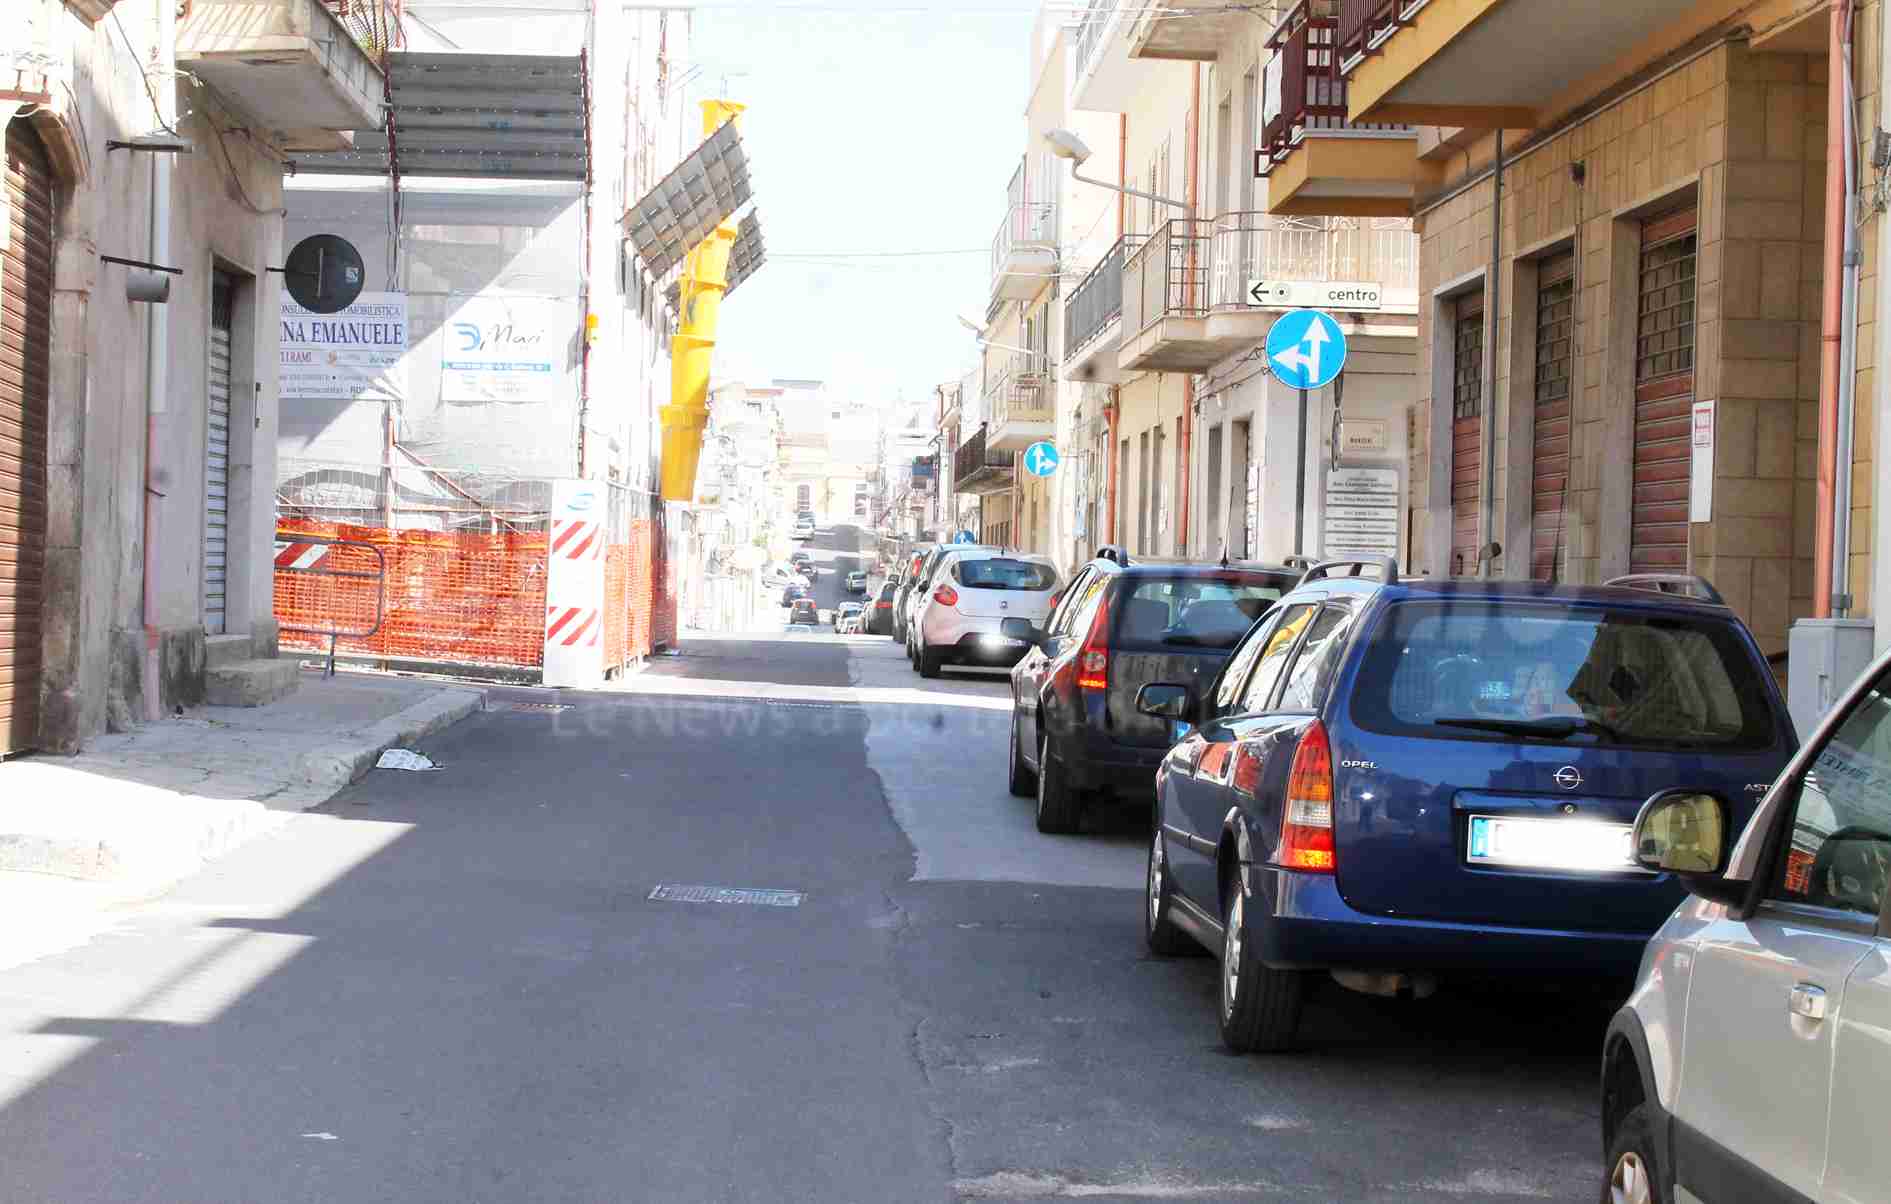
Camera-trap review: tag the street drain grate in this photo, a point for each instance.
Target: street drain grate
(727, 894)
(533, 708)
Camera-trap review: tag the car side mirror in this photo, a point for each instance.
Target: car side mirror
(1684, 833)
(1162, 700)
(1022, 629)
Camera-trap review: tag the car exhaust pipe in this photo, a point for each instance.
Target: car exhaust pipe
(1388, 984)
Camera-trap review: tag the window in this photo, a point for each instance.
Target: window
(1468, 671)
(1317, 661)
(1083, 614)
(1840, 852)
(1194, 612)
(1067, 603)
(1467, 358)
(1274, 658)
(1235, 674)
(1004, 572)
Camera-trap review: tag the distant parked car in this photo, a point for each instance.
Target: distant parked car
(856, 583)
(1395, 781)
(880, 611)
(974, 590)
(919, 588)
(793, 594)
(1119, 625)
(803, 610)
(847, 618)
(804, 528)
(905, 580)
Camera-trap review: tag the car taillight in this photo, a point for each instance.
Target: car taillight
(1093, 663)
(1306, 821)
(883, 606)
(945, 595)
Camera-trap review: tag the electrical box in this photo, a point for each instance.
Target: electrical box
(1824, 656)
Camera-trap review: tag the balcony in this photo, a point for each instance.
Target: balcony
(978, 469)
(1165, 300)
(1022, 401)
(1103, 76)
(1024, 251)
(293, 67)
(1093, 317)
(1263, 264)
(1511, 64)
(1316, 161)
(1193, 31)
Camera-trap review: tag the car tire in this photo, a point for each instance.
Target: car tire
(1259, 1007)
(1023, 783)
(1158, 914)
(930, 661)
(1634, 1168)
(1059, 809)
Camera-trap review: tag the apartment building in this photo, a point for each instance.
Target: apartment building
(1646, 340)
(1175, 437)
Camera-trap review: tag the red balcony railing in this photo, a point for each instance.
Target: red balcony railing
(1364, 25)
(1303, 90)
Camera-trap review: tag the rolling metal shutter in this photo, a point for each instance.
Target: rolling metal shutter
(1549, 453)
(1664, 395)
(1467, 433)
(26, 288)
(217, 457)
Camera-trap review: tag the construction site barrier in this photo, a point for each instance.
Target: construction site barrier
(319, 557)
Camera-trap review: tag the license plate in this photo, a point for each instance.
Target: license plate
(1552, 844)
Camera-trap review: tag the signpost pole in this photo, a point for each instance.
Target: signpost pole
(1300, 483)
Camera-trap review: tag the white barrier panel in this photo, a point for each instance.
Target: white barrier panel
(574, 585)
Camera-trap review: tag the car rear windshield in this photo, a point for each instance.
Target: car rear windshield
(1002, 572)
(1536, 671)
(887, 590)
(1193, 612)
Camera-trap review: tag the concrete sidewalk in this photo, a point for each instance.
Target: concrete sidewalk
(139, 811)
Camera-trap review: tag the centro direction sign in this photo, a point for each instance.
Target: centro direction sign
(1316, 294)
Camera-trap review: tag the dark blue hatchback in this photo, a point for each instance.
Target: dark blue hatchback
(1393, 781)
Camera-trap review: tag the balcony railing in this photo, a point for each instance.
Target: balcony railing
(374, 24)
(1167, 275)
(1302, 89)
(1097, 300)
(1028, 222)
(973, 459)
(1260, 246)
(1021, 390)
(1364, 25)
(1090, 27)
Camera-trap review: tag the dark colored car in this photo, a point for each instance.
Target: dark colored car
(1393, 781)
(793, 594)
(908, 578)
(804, 563)
(880, 611)
(803, 610)
(1119, 625)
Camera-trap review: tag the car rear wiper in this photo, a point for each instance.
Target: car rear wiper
(1555, 729)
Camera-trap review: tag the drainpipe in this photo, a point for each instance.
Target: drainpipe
(1848, 360)
(1831, 321)
(1186, 482)
(1487, 565)
(1116, 393)
(157, 361)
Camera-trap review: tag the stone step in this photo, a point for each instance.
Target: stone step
(250, 683)
(221, 650)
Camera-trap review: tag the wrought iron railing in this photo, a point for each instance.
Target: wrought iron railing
(1032, 222)
(973, 458)
(374, 24)
(1090, 27)
(1167, 275)
(1303, 90)
(1365, 24)
(1261, 246)
(1097, 300)
(1021, 390)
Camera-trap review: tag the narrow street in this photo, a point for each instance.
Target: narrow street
(456, 986)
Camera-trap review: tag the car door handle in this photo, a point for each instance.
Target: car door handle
(1806, 1000)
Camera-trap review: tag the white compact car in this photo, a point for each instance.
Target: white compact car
(1752, 1059)
(804, 528)
(972, 593)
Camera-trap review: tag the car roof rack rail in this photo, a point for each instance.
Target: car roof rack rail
(1114, 554)
(1686, 584)
(1303, 563)
(1387, 566)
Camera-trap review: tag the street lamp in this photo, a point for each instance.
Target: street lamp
(1066, 145)
(978, 332)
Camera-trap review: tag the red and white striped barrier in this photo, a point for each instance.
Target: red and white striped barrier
(577, 538)
(299, 555)
(572, 626)
(574, 585)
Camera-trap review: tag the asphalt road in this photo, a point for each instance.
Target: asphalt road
(456, 986)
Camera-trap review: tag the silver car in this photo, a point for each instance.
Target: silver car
(973, 592)
(1751, 1061)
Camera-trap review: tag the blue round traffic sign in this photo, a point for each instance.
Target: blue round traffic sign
(1306, 348)
(1041, 458)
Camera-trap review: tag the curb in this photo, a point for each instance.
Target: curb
(346, 761)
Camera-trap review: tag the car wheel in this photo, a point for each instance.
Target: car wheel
(1023, 782)
(1159, 930)
(1634, 1172)
(1059, 810)
(929, 662)
(1260, 1007)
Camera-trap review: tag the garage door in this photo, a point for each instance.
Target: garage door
(26, 285)
(1664, 395)
(217, 457)
(1467, 429)
(1549, 452)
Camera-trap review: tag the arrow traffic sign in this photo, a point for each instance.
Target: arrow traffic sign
(1041, 458)
(1306, 349)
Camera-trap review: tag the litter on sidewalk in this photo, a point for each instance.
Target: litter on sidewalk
(405, 758)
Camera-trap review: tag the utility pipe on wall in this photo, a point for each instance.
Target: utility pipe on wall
(1848, 360)
(157, 362)
(1493, 306)
(1186, 482)
(1831, 318)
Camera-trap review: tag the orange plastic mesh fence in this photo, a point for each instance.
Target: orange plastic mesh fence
(451, 597)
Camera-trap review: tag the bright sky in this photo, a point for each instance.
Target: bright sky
(873, 126)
